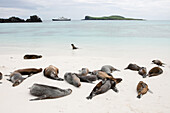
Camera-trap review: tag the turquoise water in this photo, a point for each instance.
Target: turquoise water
(56, 37)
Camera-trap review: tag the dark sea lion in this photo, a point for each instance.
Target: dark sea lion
(142, 89)
(155, 71)
(142, 71)
(74, 47)
(52, 73)
(84, 72)
(158, 62)
(16, 78)
(48, 92)
(29, 71)
(0, 77)
(32, 56)
(108, 69)
(71, 78)
(133, 67)
(88, 78)
(103, 87)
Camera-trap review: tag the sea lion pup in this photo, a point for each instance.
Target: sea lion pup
(48, 92)
(0, 77)
(71, 78)
(158, 62)
(142, 89)
(142, 71)
(84, 72)
(29, 71)
(74, 47)
(133, 67)
(52, 73)
(16, 78)
(108, 69)
(155, 71)
(88, 78)
(102, 87)
(32, 56)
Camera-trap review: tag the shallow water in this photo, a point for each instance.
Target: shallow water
(92, 37)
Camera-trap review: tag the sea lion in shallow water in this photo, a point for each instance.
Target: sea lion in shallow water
(74, 47)
(52, 73)
(158, 62)
(71, 78)
(155, 71)
(48, 92)
(142, 89)
(133, 67)
(29, 71)
(108, 69)
(102, 87)
(32, 56)
(142, 71)
(16, 78)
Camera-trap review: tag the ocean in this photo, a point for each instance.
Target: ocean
(94, 38)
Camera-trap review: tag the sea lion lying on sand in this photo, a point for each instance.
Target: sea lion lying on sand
(52, 73)
(158, 62)
(103, 87)
(16, 78)
(84, 72)
(71, 78)
(48, 92)
(88, 78)
(142, 71)
(133, 67)
(142, 89)
(32, 56)
(29, 71)
(155, 71)
(74, 47)
(108, 69)
(0, 77)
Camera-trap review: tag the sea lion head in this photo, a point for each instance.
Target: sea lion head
(16, 83)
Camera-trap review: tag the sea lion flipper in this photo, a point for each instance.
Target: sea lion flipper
(115, 89)
(39, 98)
(150, 91)
(60, 79)
(139, 96)
(9, 80)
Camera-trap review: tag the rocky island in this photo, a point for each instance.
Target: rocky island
(14, 19)
(113, 17)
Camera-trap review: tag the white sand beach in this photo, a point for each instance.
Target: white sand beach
(16, 99)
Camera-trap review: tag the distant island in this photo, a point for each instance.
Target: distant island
(14, 19)
(114, 17)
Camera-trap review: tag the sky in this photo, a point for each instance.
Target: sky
(78, 9)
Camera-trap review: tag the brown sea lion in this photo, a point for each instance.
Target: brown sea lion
(52, 73)
(103, 87)
(133, 67)
(74, 47)
(108, 69)
(84, 72)
(16, 78)
(88, 78)
(71, 78)
(32, 56)
(158, 62)
(48, 92)
(29, 71)
(142, 89)
(0, 77)
(142, 71)
(155, 71)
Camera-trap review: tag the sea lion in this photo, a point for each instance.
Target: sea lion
(48, 92)
(0, 77)
(74, 47)
(133, 67)
(142, 71)
(142, 89)
(102, 87)
(32, 56)
(16, 78)
(88, 78)
(29, 71)
(71, 78)
(52, 73)
(108, 69)
(84, 72)
(158, 62)
(155, 71)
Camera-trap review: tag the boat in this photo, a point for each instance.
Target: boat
(61, 19)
